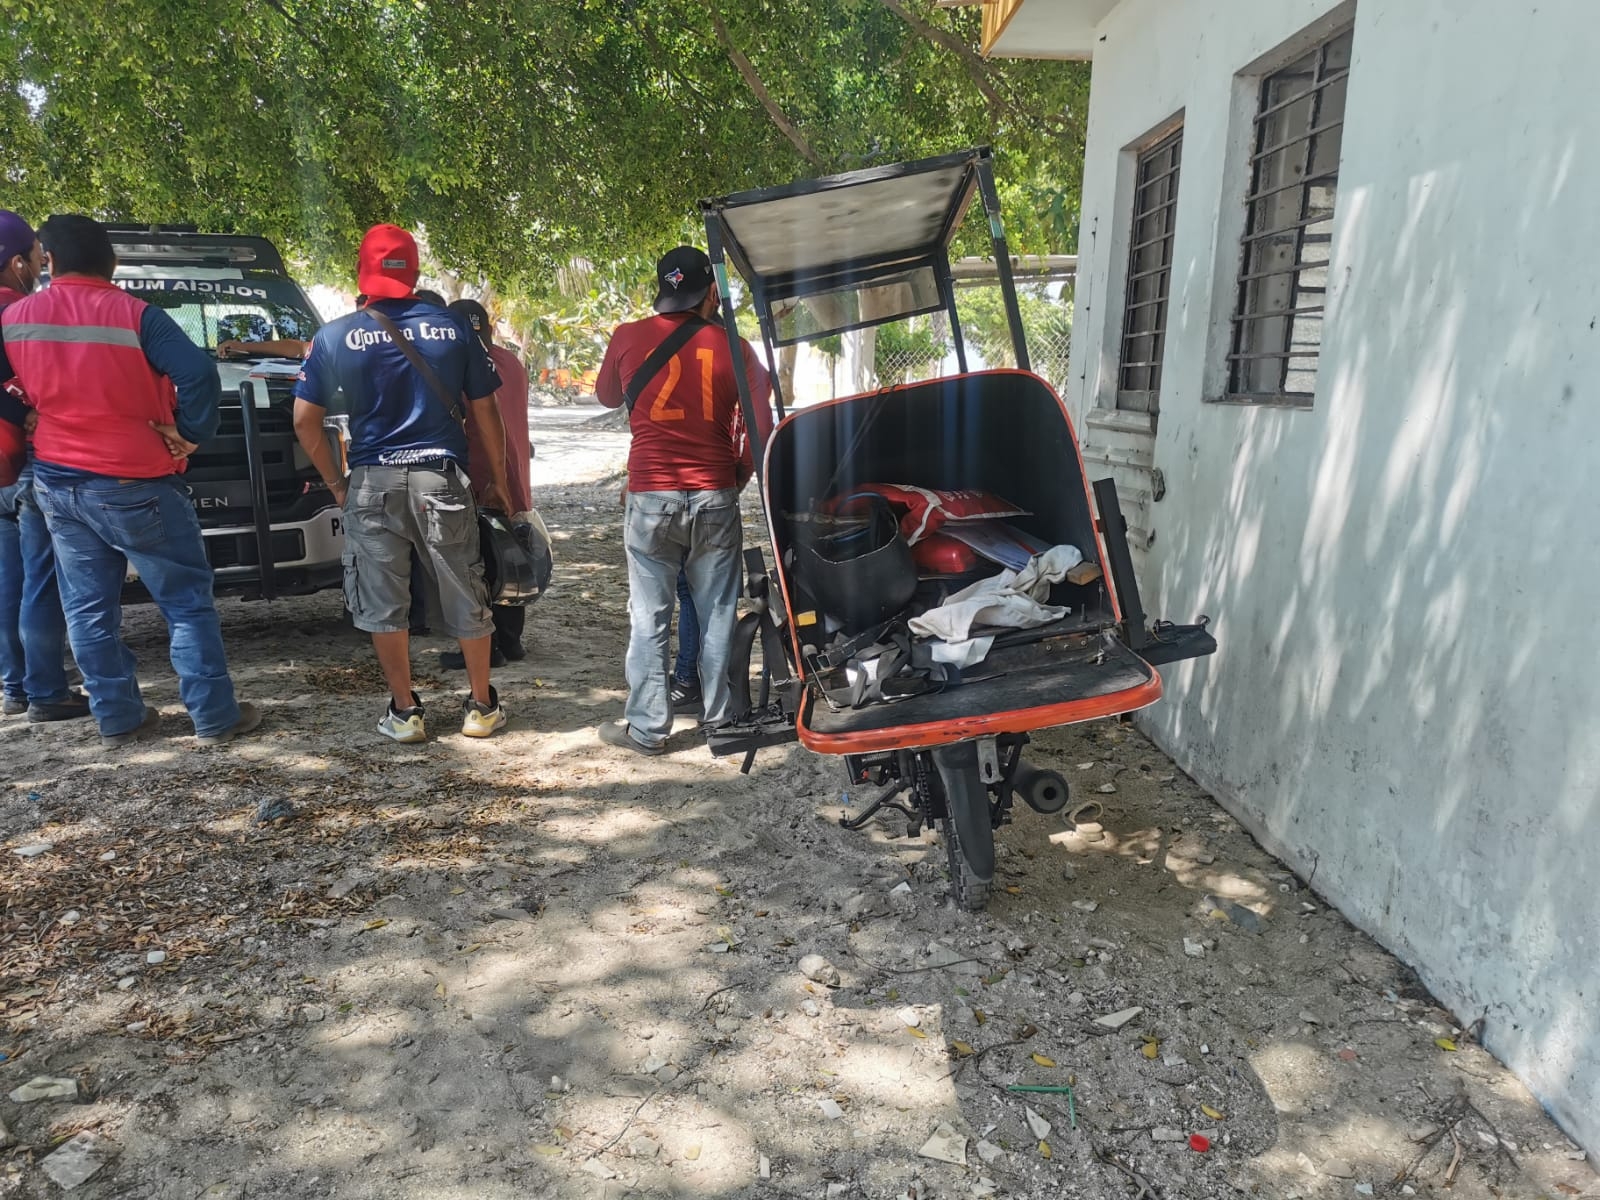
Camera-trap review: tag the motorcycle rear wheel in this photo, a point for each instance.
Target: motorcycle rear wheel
(967, 827)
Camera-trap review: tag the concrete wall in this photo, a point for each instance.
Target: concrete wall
(1405, 578)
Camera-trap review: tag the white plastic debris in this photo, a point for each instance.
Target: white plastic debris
(1193, 948)
(78, 1159)
(1165, 1133)
(156, 957)
(988, 1151)
(830, 1108)
(1087, 906)
(764, 1167)
(903, 888)
(45, 1087)
(945, 1145)
(34, 849)
(819, 970)
(1117, 1020)
(909, 1016)
(1037, 1125)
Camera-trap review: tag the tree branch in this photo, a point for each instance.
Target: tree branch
(969, 59)
(747, 70)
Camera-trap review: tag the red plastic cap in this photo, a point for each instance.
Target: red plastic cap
(1199, 1142)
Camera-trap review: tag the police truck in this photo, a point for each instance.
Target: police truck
(271, 526)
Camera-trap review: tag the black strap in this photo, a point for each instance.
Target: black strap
(669, 346)
(452, 404)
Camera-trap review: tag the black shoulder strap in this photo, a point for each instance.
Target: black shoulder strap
(669, 346)
(452, 404)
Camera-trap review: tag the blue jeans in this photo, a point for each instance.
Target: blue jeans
(688, 666)
(100, 526)
(700, 534)
(33, 631)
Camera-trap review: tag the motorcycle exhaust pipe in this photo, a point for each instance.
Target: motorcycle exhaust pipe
(1043, 791)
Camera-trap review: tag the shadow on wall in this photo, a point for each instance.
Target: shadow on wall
(1403, 579)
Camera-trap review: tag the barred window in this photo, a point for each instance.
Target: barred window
(1144, 313)
(1283, 277)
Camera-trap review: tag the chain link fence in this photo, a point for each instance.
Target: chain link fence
(922, 348)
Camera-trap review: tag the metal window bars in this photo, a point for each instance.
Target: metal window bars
(1144, 312)
(1278, 313)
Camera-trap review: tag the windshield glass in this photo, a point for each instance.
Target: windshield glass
(238, 310)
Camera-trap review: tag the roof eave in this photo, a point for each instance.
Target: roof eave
(1060, 29)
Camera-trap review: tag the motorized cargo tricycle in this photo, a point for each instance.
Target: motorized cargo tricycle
(945, 581)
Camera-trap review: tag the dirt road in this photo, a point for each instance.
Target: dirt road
(539, 967)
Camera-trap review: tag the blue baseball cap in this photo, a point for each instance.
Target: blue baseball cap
(16, 236)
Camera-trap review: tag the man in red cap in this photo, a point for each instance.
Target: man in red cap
(33, 631)
(404, 366)
(688, 461)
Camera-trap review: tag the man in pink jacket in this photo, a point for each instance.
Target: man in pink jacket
(512, 399)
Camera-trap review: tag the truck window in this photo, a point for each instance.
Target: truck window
(252, 311)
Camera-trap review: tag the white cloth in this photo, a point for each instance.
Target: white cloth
(962, 654)
(1009, 600)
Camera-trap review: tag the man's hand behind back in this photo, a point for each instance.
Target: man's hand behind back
(177, 445)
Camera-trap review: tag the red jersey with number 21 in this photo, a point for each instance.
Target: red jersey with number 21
(688, 433)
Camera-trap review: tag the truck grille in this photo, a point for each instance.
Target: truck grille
(218, 477)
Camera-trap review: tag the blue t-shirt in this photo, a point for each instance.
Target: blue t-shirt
(395, 418)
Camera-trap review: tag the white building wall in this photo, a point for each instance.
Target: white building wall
(1406, 578)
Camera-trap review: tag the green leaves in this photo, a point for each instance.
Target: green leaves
(520, 136)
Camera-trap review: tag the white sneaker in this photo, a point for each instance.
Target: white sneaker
(482, 720)
(404, 724)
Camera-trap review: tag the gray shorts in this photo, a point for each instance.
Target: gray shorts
(392, 511)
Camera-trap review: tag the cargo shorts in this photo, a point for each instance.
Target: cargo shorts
(391, 511)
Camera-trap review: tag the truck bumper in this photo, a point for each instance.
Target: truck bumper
(306, 556)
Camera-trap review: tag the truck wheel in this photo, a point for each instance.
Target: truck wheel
(968, 831)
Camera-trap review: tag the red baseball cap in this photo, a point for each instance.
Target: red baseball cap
(387, 268)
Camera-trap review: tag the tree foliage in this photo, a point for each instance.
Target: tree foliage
(521, 135)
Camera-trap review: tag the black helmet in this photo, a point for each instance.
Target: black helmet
(507, 566)
(859, 568)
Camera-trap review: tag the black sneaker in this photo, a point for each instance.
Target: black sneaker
(685, 695)
(510, 649)
(14, 706)
(74, 707)
(454, 660)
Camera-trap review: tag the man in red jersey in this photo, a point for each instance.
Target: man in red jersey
(690, 458)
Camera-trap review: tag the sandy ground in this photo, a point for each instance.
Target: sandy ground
(540, 967)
